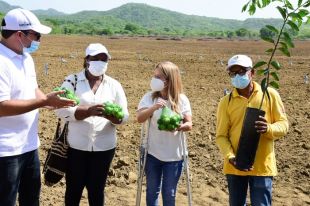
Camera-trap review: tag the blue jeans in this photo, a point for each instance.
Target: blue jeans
(161, 174)
(260, 190)
(20, 174)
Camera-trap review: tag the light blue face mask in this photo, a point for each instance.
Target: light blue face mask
(240, 81)
(33, 47)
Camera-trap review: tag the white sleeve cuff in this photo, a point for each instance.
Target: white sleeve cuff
(66, 114)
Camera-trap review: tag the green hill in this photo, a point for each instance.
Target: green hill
(142, 19)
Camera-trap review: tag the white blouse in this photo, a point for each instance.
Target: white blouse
(93, 133)
(164, 145)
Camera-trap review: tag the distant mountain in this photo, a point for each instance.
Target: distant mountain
(142, 19)
(48, 12)
(5, 7)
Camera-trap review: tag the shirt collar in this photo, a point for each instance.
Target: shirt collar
(10, 53)
(255, 89)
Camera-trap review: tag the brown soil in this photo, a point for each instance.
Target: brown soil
(204, 80)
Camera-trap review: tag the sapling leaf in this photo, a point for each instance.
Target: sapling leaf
(307, 4)
(295, 15)
(285, 51)
(303, 12)
(276, 65)
(264, 84)
(273, 29)
(308, 20)
(283, 44)
(245, 7)
(260, 71)
(267, 39)
(269, 51)
(282, 12)
(293, 25)
(275, 75)
(252, 9)
(274, 84)
(288, 40)
(289, 5)
(259, 64)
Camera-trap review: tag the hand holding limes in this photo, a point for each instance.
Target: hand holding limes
(68, 94)
(114, 110)
(168, 120)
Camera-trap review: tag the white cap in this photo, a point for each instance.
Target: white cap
(21, 19)
(96, 48)
(241, 60)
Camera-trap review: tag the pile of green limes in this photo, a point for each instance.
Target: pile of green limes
(114, 110)
(168, 120)
(69, 94)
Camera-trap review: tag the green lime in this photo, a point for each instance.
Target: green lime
(108, 110)
(166, 120)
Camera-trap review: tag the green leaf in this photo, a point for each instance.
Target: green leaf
(259, 64)
(264, 84)
(283, 44)
(293, 25)
(274, 84)
(259, 4)
(272, 28)
(285, 51)
(260, 71)
(252, 9)
(276, 65)
(295, 16)
(269, 51)
(268, 39)
(288, 40)
(266, 2)
(245, 7)
(275, 76)
(289, 5)
(307, 4)
(308, 21)
(303, 12)
(299, 3)
(282, 11)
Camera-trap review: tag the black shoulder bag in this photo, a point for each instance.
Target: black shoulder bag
(56, 161)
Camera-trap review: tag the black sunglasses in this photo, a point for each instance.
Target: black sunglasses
(241, 72)
(36, 34)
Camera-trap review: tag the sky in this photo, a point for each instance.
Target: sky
(226, 9)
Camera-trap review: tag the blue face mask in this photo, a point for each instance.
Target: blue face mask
(240, 81)
(33, 47)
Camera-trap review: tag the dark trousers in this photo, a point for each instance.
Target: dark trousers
(20, 174)
(90, 170)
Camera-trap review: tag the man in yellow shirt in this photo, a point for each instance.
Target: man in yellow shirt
(273, 125)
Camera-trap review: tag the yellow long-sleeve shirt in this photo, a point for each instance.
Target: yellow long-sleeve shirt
(230, 115)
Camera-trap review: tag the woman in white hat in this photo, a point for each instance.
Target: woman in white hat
(92, 135)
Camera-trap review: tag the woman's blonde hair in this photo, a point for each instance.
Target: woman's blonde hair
(174, 88)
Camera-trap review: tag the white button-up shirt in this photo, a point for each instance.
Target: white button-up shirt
(18, 133)
(93, 133)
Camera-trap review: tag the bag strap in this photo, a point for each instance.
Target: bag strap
(73, 83)
(62, 134)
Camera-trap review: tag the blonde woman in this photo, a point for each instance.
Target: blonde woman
(164, 159)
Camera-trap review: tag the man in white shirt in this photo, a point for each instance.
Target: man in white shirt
(20, 99)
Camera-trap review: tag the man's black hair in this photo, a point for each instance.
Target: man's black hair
(6, 33)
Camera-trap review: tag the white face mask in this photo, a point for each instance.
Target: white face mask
(157, 85)
(97, 68)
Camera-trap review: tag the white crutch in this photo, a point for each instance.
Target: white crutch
(186, 169)
(142, 160)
